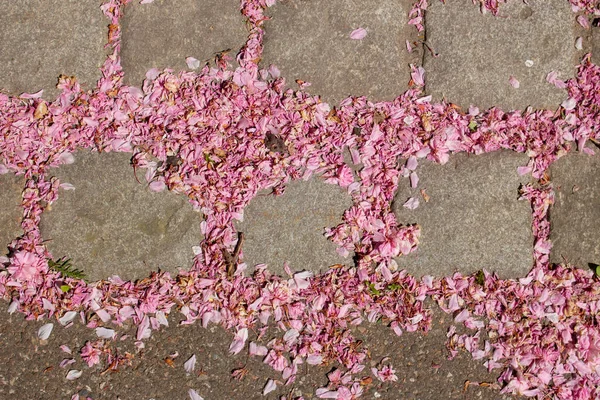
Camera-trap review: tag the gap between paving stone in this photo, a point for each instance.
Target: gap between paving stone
(11, 212)
(310, 41)
(42, 39)
(291, 227)
(575, 216)
(479, 53)
(112, 225)
(164, 33)
(595, 39)
(473, 219)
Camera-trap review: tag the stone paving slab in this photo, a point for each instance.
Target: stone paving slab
(310, 41)
(162, 34)
(479, 53)
(473, 219)
(32, 371)
(42, 39)
(291, 227)
(575, 216)
(596, 41)
(110, 224)
(11, 212)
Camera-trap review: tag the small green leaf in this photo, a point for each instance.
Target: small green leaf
(65, 288)
(64, 266)
(373, 289)
(472, 125)
(394, 286)
(597, 271)
(480, 278)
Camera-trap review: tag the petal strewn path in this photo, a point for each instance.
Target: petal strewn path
(224, 229)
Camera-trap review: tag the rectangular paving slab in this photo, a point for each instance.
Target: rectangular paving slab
(575, 216)
(162, 34)
(112, 225)
(310, 41)
(291, 227)
(42, 39)
(472, 219)
(11, 212)
(478, 54)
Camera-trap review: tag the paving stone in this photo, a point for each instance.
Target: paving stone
(310, 40)
(473, 219)
(479, 53)
(422, 366)
(110, 224)
(11, 212)
(42, 39)
(575, 216)
(596, 41)
(163, 33)
(290, 227)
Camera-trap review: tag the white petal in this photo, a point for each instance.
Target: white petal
(68, 317)
(13, 307)
(73, 374)
(105, 333)
(269, 387)
(190, 364)
(162, 319)
(194, 395)
(45, 331)
(192, 63)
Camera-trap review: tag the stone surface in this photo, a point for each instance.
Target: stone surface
(42, 39)
(291, 227)
(11, 212)
(473, 219)
(31, 368)
(479, 53)
(310, 40)
(422, 366)
(596, 41)
(163, 33)
(110, 224)
(575, 216)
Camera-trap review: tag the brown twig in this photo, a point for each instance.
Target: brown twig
(232, 259)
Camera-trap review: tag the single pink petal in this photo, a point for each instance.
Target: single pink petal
(157, 186)
(358, 34)
(411, 203)
(524, 170)
(412, 163)
(414, 180)
(409, 47)
(514, 82)
(418, 75)
(65, 348)
(146, 1)
(579, 43)
(583, 21)
(257, 350)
